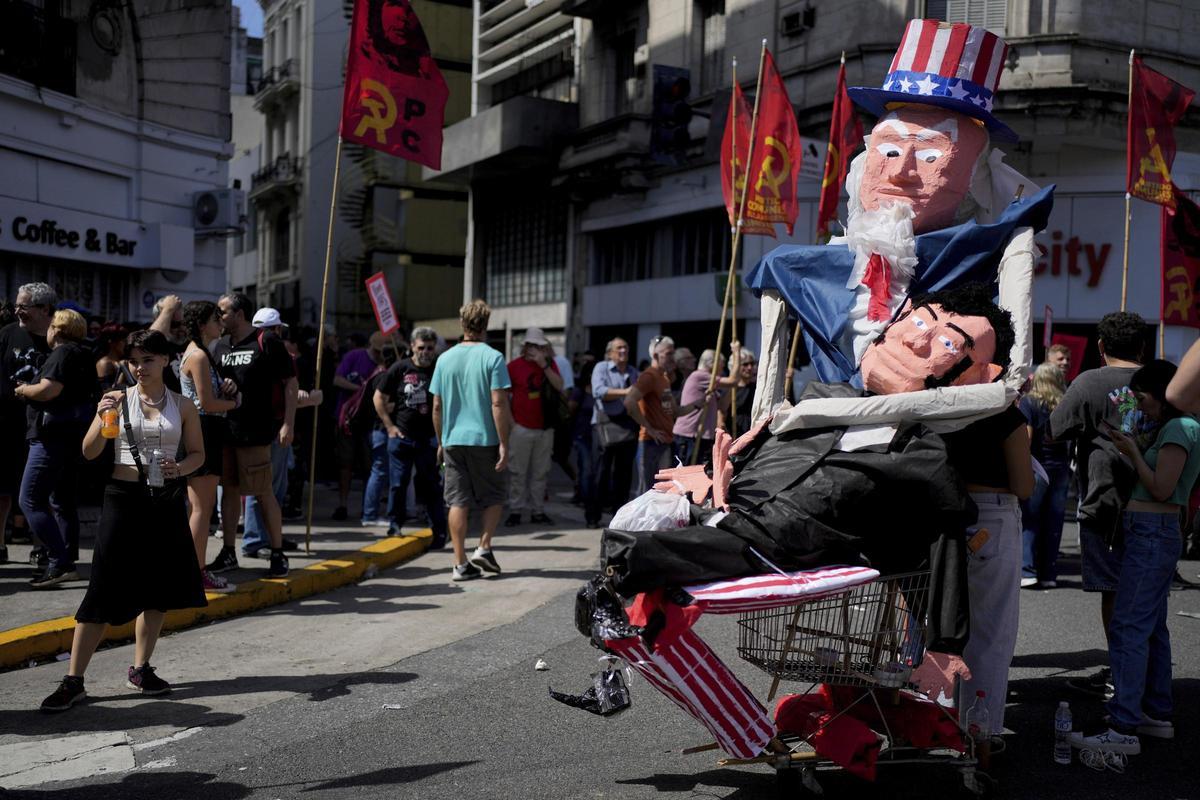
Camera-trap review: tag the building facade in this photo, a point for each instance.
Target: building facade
(245, 76)
(387, 218)
(114, 119)
(644, 237)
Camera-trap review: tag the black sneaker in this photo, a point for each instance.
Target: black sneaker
(68, 693)
(225, 561)
(19, 536)
(1098, 684)
(394, 530)
(466, 572)
(438, 542)
(39, 558)
(290, 545)
(3, 554)
(144, 680)
(292, 512)
(53, 576)
(513, 521)
(485, 560)
(541, 519)
(339, 514)
(279, 565)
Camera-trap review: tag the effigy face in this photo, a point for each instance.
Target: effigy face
(925, 348)
(924, 156)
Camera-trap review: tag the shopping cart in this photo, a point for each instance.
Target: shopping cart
(866, 641)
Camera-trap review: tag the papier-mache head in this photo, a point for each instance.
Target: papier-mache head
(954, 337)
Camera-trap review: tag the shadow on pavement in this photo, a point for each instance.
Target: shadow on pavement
(390, 775)
(318, 687)
(94, 714)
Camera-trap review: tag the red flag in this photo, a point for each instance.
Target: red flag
(1181, 262)
(1156, 103)
(733, 167)
(775, 159)
(845, 135)
(395, 95)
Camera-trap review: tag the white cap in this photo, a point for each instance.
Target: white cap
(535, 336)
(266, 318)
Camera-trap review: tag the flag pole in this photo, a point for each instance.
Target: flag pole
(1128, 198)
(731, 294)
(312, 456)
(737, 237)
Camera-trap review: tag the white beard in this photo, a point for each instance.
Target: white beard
(887, 231)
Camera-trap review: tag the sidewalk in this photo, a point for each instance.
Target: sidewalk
(38, 623)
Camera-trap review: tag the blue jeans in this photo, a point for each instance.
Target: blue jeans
(586, 465)
(409, 456)
(379, 478)
(48, 496)
(256, 529)
(1139, 644)
(1042, 523)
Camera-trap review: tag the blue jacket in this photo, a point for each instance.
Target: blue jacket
(811, 279)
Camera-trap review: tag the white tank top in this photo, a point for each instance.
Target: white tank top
(163, 433)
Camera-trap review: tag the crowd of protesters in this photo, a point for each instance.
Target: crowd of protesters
(209, 403)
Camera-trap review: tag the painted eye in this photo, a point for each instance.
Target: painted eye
(949, 345)
(888, 150)
(920, 323)
(929, 156)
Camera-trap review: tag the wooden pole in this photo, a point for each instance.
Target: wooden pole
(737, 237)
(312, 456)
(1128, 210)
(1162, 331)
(731, 292)
(788, 370)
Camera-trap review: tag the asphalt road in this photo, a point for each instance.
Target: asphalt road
(470, 718)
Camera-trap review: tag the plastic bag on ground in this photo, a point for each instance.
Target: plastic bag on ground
(652, 511)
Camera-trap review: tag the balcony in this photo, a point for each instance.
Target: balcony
(277, 84)
(280, 177)
(523, 133)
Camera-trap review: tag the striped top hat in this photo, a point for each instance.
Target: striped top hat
(950, 65)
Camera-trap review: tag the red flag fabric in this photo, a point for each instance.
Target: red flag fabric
(775, 159)
(1181, 262)
(395, 97)
(845, 135)
(733, 168)
(1156, 104)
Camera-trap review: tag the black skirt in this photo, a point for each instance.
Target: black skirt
(144, 558)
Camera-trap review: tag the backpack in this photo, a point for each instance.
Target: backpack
(358, 411)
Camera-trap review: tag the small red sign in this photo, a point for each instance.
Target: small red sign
(381, 301)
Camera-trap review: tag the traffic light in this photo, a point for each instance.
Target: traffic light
(669, 137)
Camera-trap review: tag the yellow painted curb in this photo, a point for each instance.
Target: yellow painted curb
(19, 646)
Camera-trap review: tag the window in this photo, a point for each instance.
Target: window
(990, 14)
(282, 255)
(692, 244)
(624, 87)
(525, 250)
(549, 79)
(37, 45)
(713, 68)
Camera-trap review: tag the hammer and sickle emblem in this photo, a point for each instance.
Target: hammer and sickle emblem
(834, 165)
(1155, 163)
(1181, 287)
(774, 179)
(381, 110)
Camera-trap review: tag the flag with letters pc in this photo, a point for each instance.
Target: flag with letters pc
(395, 95)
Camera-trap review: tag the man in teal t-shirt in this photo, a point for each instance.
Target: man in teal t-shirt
(472, 419)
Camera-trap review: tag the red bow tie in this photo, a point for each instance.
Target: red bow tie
(878, 278)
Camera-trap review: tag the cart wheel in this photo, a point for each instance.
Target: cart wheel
(792, 783)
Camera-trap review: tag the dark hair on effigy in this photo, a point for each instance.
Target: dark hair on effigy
(1153, 379)
(148, 341)
(975, 300)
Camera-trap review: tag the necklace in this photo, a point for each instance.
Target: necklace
(154, 403)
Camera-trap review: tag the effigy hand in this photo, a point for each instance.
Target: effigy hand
(935, 676)
(722, 470)
(691, 480)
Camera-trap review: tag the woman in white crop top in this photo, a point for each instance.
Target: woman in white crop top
(144, 563)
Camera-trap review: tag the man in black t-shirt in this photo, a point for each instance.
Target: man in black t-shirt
(23, 349)
(404, 406)
(259, 363)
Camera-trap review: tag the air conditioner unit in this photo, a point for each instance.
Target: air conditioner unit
(219, 212)
(799, 22)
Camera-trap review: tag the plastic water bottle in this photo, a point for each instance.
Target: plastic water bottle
(979, 728)
(1062, 734)
(154, 473)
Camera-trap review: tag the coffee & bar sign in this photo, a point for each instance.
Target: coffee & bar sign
(54, 232)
